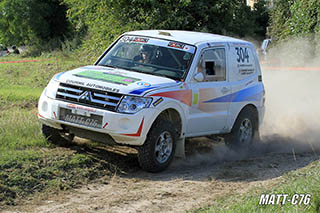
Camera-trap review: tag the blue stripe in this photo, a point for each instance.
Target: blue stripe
(59, 75)
(248, 94)
(142, 90)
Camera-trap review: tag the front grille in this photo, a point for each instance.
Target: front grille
(88, 97)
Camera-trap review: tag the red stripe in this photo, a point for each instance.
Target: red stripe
(21, 61)
(40, 115)
(185, 96)
(292, 68)
(55, 115)
(138, 133)
(105, 125)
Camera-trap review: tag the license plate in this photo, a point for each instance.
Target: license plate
(93, 120)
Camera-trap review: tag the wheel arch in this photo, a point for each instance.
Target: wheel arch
(251, 107)
(172, 115)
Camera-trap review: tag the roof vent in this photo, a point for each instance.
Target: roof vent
(164, 33)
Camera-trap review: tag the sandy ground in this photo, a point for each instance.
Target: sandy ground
(210, 171)
(290, 140)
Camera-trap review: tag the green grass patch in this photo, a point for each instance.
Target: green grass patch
(28, 164)
(302, 181)
(36, 74)
(19, 94)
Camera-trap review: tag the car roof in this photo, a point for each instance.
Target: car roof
(188, 37)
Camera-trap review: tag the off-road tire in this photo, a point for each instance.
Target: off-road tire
(232, 140)
(55, 136)
(147, 152)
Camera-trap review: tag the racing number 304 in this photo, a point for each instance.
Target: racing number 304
(242, 54)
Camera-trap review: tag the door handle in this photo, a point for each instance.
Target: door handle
(224, 90)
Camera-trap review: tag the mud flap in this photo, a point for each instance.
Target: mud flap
(180, 152)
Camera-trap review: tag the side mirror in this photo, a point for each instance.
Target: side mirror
(199, 77)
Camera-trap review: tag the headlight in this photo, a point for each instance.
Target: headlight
(132, 104)
(51, 89)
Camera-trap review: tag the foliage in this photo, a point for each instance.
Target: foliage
(33, 22)
(107, 19)
(295, 18)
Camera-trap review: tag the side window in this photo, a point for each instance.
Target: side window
(213, 64)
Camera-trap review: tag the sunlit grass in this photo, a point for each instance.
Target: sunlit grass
(28, 164)
(302, 181)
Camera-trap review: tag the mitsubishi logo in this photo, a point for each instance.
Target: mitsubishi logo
(86, 96)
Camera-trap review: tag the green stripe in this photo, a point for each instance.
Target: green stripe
(108, 77)
(195, 98)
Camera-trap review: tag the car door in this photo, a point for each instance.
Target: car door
(210, 104)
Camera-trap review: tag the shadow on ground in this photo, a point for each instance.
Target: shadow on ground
(205, 159)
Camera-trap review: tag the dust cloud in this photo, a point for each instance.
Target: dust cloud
(292, 97)
(292, 119)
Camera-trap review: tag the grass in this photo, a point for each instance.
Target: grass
(28, 164)
(302, 181)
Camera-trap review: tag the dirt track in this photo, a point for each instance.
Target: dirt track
(210, 170)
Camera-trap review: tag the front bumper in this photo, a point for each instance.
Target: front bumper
(129, 129)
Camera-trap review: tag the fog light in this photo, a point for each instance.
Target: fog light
(124, 123)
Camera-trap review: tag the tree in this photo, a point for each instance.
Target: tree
(32, 21)
(104, 20)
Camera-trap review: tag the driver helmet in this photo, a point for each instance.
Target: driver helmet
(146, 49)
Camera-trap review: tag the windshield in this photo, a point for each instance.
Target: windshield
(148, 55)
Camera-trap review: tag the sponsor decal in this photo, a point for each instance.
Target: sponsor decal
(176, 45)
(107, 77)
(73, 106)
(134, 39)
(246, 71)
(157, 102)
(109, 89)
(144, 84)
(250, 82)
(95, 86)
(75, 82)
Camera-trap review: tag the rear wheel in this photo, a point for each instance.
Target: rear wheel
(244, 131)
(158, 150)
(56, 136)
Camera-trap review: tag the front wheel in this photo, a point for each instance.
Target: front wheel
(244, 131)
(156, 154)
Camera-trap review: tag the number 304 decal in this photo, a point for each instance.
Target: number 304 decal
(242, 54)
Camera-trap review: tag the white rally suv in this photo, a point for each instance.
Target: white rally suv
(152, 89)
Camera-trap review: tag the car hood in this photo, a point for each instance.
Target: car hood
(114, 80)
